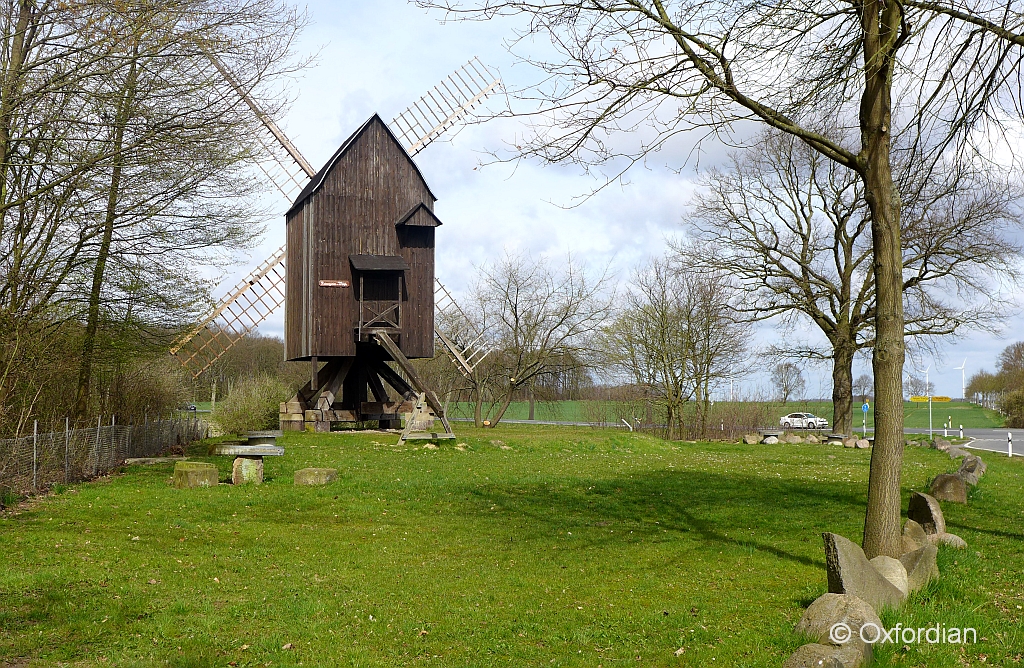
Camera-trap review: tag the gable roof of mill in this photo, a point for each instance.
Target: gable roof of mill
(318, 180)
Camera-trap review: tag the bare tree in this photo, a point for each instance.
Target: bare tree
(677, 338)
(125, 162)
(862, 387)
(793, 227)
(177, 184)
(541, 322)
(657, 68)
(789, 381)
(915, 386)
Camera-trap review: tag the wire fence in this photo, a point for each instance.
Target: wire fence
(36, 462)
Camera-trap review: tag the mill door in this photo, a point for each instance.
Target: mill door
(380, 302)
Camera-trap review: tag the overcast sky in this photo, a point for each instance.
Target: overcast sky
(381, 56)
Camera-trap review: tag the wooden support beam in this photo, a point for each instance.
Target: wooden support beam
(410, 371)
(394, 380)
(375, 385)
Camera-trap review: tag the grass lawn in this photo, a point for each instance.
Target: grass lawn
(528, 546)
(915, 415)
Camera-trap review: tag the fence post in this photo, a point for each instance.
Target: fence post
(35, 440)
(67, 443)
(99, 437)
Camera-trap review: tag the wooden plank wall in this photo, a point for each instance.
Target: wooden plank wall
(354, 212)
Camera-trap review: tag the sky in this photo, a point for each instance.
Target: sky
(380, 57)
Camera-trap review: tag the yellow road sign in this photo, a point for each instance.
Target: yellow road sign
(919, 400)
(941, 399)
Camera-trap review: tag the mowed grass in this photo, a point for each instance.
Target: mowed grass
(915, 415)
(528, 546)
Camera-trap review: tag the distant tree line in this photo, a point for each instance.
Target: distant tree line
(1003, 389)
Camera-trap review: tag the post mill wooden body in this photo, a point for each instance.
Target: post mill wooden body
(382, 259)
(360, 285)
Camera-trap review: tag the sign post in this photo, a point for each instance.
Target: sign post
(864, 409)
(1009, 444)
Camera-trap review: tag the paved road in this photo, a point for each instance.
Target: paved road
(994, 440)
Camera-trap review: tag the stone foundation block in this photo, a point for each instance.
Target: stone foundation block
(195, 474)
(314, 476)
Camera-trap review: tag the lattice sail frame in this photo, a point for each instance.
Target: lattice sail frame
(466, 348)
(246, 306)
(240, 312)
(444, 105)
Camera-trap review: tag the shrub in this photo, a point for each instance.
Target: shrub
(253, 405)
(1013, 405)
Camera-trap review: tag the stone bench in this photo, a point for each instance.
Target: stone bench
(835, 439)
(249, 454)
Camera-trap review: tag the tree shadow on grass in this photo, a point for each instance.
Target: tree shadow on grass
(716, 507)
(991, 532)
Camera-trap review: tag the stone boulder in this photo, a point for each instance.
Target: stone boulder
(971, 469)
(793, 439)
(892, 570)
(941, 444)
(770, 440)
(914, 537)
(751, 439)
(850, 442)
(816, 655)
(949, 487)
(315, 476)
(850, 572)
(811, 438)
(863, 443)
(925, 510)
(912, 444)
(247, 470)
(195, 474)
(956, 452)
(950, 539)
(831, 609)
(921, 566)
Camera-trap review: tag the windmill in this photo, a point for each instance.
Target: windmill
(262, 292)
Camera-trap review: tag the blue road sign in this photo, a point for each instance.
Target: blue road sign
(865, 407)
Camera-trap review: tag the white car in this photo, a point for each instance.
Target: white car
(803, 421)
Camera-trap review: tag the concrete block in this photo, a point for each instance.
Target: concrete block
(195, 474)
(315, 476)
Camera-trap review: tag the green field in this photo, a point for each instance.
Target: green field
(524, 546)
(915, 415)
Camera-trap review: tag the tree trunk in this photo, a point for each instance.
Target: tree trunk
(10, 92)
(842, 389)
(881, 25)
(9, 98)
(478, 408)
(99, 269)
(504, 407)
(531, 403)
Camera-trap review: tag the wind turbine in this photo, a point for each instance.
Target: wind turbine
(262, 292)
(963, 379)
